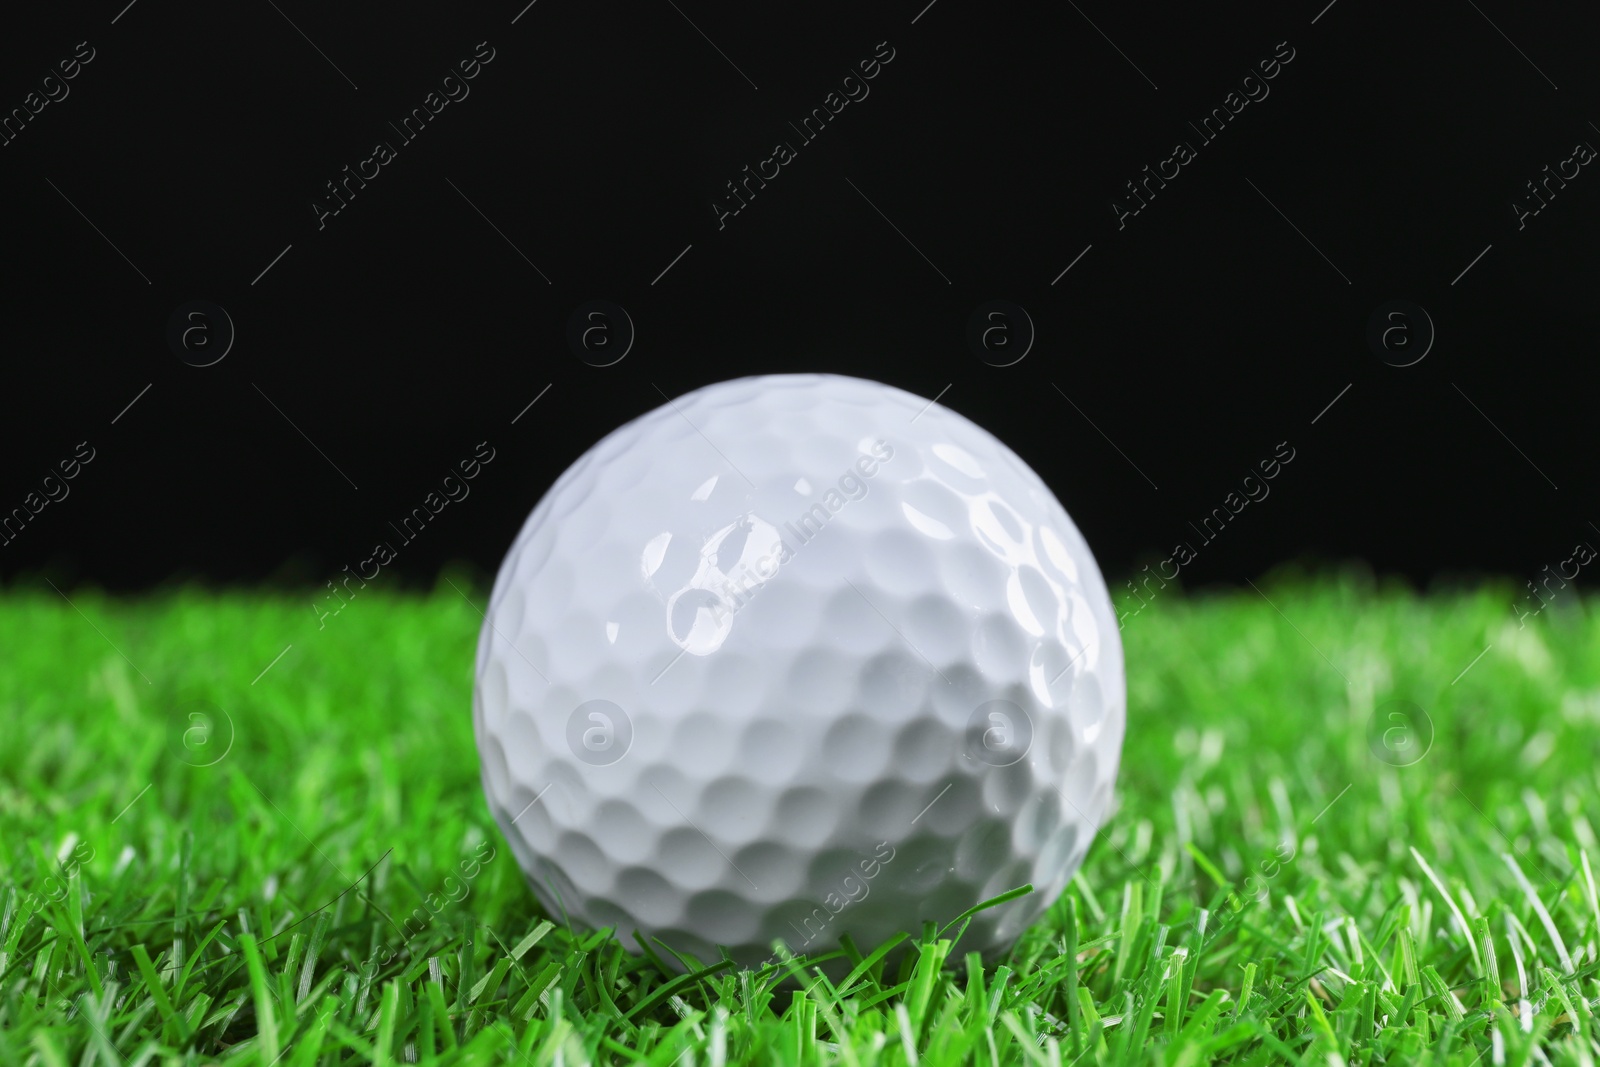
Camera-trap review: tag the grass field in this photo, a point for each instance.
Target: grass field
(1274, 886)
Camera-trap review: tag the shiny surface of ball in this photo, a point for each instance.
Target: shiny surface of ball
(797, 656)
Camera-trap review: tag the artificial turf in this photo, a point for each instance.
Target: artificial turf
(1272, 886)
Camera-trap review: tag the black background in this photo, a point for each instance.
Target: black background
(380, 349)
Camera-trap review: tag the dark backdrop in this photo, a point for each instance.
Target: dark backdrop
(1174, 348)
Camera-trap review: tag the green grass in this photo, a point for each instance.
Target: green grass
(1269, 890)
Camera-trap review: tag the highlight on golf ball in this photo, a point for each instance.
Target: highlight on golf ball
(797, 657)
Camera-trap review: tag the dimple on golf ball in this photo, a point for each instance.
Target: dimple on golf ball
(794, 657)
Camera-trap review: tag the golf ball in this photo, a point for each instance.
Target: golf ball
(794, 657)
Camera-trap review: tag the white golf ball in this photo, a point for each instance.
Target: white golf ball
(794, 657)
